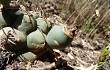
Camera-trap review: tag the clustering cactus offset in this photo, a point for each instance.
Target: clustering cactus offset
(58, 37)
(36, 41)
(25, 23)
(43, 24)
(25, 56)
(12, 39)
(28, 34)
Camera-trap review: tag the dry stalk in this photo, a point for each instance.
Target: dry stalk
(74, 12)
(96, 25)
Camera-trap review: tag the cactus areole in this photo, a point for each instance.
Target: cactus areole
(58, 38)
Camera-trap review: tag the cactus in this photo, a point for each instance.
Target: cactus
(58, 38)
(43, 24)
(12, 39)
(2, 21)
(25, 23)
(26, 32)
(36, 41)
(25, 56)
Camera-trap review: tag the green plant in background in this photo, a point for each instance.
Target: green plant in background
(104, 57)
(87, 25)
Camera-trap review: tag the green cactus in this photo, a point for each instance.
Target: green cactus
(57, 38)
(25, 56)
(25, 23)
(5, 3)
(2, 21)
(36, 41)
(42, 24)
(12, 39)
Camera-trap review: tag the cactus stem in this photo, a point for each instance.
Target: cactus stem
(30, 15)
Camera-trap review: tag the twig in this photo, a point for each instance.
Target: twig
(96, 25)
(82, 62)
(73, 13)
(82, 9)
(43, 13)
(47, 67)
(104, 30)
